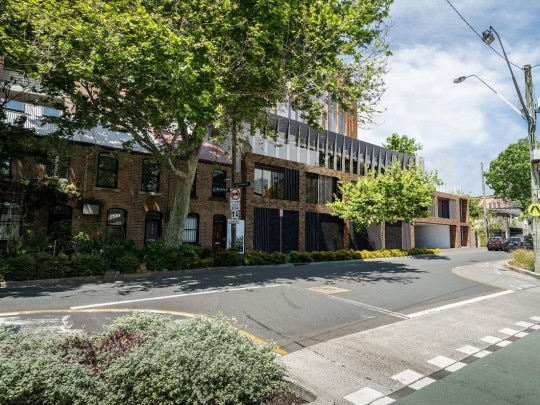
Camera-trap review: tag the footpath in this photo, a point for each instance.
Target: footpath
(482, 351)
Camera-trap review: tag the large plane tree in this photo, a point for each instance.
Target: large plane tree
(167, 71)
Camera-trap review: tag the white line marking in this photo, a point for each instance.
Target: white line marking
(458, 304)
(104, 304)
(371, 307)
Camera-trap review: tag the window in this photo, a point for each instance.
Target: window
(107, 175)
(193, 191)
(150, 176)
(320, 189)
(219, 187)
(50, 112)
(270, 183)
(191, 229)
(444, 208)
(10, 220)
(5, 167)
(57, 166)
(15, 105)
(116, 224)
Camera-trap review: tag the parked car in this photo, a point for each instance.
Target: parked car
(517, 242)
(495, 243)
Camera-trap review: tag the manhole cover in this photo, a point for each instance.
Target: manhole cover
(328, 289)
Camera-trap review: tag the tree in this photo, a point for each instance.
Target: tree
(402, 144)
(167, 71)
(509, 175)
(386, 197)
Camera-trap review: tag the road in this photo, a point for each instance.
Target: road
(292, 306)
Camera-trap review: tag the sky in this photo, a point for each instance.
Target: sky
(460, 126)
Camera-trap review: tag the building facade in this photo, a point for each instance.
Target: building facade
(285, 174)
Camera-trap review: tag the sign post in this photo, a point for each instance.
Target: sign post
(235, 195)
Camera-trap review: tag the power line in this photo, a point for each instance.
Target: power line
(481, 37)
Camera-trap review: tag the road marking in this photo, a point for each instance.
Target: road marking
(458, 304)
(104, 304)
(371, 307)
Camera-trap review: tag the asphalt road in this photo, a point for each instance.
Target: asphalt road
(292, 306)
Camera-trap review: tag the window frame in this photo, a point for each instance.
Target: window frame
(112, 228)
(150, 179)
(104, 174)
(193, 231)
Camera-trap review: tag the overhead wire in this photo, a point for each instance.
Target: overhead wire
(481, 37)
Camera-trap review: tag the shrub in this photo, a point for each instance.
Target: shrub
(20, 268)
(87, 265)
(523, 258)
(230, 257)
(200, 361)
(35, 372)
(114, 251)
(260, 258)
(153, 255)
(181, 257)
(300, 257)
(48, 266)
(140, 359)
(127, 263)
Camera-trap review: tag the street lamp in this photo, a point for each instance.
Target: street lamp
(528, 111)
(512, 106)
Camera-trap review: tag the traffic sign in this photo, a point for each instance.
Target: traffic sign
(245, 184)
(235, 194)
(534, 209)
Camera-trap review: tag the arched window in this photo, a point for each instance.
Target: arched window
(107, 171)
(191, 229)
(152, 226)
(116, 224)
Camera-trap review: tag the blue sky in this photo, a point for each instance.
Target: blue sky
(460, 126)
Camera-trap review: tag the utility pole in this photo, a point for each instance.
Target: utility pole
(535, 160)
(486, 223)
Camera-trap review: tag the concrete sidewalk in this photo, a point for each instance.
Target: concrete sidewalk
(394, 363)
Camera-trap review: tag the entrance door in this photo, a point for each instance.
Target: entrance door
(152, 231)
(219, 233)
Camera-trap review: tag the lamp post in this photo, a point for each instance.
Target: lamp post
(528, 112)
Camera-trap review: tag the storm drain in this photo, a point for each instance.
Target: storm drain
(328, 289)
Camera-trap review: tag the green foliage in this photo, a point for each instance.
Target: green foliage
(181, 257)
(261, 258)
(146, 70)
(82, 243)
(300, 257)
(509, 174)
(402, 144)
(523, 258)
(153, 255)
(20, 268)
(114, 251)
(140, 359)
(229, 257)
(49, 266)
(87, 265)
(127, 263)
(386, 197)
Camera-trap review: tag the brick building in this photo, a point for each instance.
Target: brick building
(121, 194)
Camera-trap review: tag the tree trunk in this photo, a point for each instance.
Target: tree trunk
(183, 180)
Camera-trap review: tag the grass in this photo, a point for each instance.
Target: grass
(523, 258)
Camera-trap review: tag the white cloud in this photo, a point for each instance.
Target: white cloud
(459, 125)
